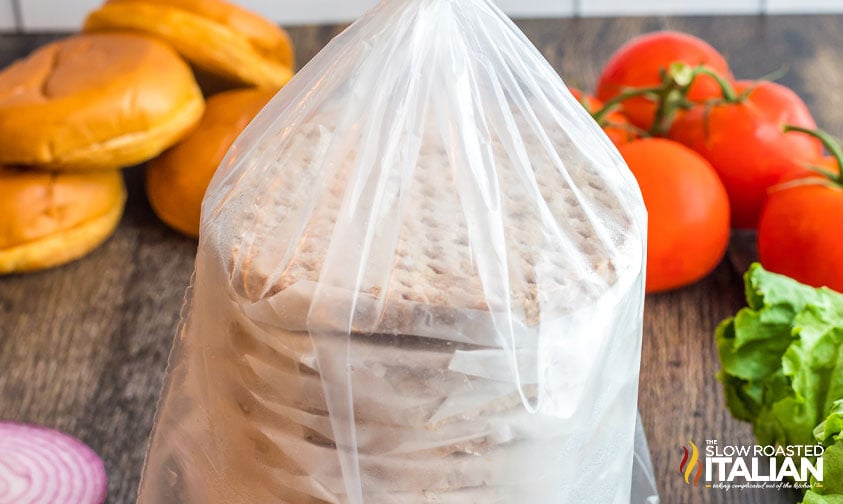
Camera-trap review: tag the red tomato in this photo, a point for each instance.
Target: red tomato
(812, 171)
(745, 143)
(798, 234)
(688, 211)
(640, 62)
(616, 126)
(827, 163)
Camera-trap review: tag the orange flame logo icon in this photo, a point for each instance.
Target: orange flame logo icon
(690, 461)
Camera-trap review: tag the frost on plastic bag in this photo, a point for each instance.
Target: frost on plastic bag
(419, 279)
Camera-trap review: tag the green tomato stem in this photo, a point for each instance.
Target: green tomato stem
(830, 143)
(612, 104)
(729, 94)
(670, 95)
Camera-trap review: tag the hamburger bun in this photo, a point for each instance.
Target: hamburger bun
(48, 219)
(217, 37)
(176, 181)
(94, 102)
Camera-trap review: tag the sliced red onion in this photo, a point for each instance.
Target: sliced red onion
(44, 466)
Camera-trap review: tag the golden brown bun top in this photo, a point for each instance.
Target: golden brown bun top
(82, 64)
(38, 204)
(268, 38)
(91, 92)
(177, 180)
(227, 114)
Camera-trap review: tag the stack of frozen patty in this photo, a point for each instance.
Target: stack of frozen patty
(444, 303)
(436, 406)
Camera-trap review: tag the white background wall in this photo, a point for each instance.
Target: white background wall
(49, 15)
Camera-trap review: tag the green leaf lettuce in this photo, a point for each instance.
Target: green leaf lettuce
(782, 367)
(830, 435)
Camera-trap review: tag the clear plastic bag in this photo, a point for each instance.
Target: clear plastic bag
(644, 489)
(419, 279)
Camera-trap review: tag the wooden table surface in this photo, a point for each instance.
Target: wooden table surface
(83, 347)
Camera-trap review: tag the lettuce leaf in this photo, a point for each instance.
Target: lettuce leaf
(782, 366)
(830, 435)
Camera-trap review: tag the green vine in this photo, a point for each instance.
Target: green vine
(671, 95)
(831, 144)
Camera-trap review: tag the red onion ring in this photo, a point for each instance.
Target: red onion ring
(44, 466)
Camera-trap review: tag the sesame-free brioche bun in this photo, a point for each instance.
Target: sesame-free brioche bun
(217, 37)
(176, 181)
(94, 102)
(48, 219)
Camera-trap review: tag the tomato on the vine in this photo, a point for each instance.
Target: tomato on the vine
(616, 126)
(688, 225)
(641, 63)
(797, 231)
(742, 137)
